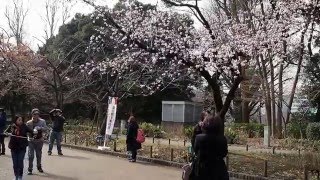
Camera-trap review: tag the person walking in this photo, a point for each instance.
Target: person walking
(57, 129)
(39, 127)
(210, 149)
(132, 144)
(18, 144)
(3, 122)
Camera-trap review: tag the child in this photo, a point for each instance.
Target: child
(18, 144)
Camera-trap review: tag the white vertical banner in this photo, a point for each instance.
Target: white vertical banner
(111, 114)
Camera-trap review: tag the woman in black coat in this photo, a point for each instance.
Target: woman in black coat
(18, 144)
(132, 144)
(210, 148)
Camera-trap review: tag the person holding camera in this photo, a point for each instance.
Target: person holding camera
(57, 129)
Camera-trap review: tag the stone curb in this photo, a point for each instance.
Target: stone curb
(159, 161)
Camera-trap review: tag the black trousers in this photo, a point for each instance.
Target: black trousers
(2, 145)
(134, 154)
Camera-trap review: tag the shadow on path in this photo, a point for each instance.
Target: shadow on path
(73, 157)
(53, 176)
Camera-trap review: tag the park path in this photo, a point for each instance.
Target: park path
(84, 165)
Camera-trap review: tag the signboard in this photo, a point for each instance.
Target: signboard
(111, 114)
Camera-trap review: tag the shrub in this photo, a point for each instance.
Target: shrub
(249, 130)
(231, 135)
(188, 131)
(116, 131)
(124, 132)
(158, 132)
(296, 129)
(151, 130)
(147, 128)
(255, 130)
(313, 131)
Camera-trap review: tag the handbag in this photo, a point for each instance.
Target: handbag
(187, 169)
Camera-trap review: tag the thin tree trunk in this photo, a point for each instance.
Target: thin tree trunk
(94, 121)
(267, 93)
(293, 90)
(280, 96)
(273, 99)
(244, 103)
(237, 108)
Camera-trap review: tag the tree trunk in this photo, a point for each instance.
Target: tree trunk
(245, 111)
(267, 93)
(293, 90)
(95, 117)
(280, 96)
(244, 97)
(237, 108)
(280, 99)
(273, 98)
(99, 107)
(12, 111)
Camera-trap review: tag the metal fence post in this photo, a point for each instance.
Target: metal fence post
(305, 173)
(150, 151)
(171, 154)
(169, 141)
(265, 174)
(273, 150)
(65, 137)
(115, 146)
(247, 147)
(227, 162)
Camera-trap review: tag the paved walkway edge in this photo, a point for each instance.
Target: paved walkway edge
(158, 161)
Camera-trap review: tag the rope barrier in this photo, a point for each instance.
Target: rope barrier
(12, 135)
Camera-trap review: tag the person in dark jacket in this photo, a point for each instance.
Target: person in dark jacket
(132, 144)
(210, 149)
(3, 122)
(18, 144)
(197, 129)
(57, 129)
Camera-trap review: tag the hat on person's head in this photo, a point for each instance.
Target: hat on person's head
(35, 111)
(55, 110)
(52, 111)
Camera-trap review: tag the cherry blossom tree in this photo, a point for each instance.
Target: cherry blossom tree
(224, 46)
(19, 73)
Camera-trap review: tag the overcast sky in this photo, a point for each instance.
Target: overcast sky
(34, 25)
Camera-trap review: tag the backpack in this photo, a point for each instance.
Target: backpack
(140, 136)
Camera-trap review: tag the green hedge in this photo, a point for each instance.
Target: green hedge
(249, 130)
(231, 135)
(188, 131)
(295, 129)
(313, 131)
(151, 130)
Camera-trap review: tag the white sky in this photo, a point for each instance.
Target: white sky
(34, 25)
